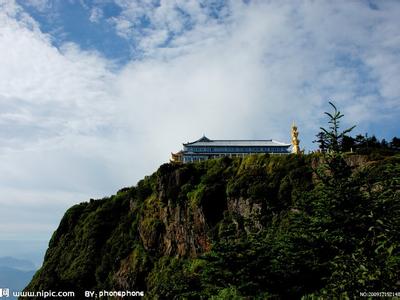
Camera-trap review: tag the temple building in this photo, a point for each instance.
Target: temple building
(206, 148)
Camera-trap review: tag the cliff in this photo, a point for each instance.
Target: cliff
(262, 226)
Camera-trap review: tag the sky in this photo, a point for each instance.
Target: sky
(94, 95)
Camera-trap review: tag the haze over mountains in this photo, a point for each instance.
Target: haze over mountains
(18, 262)
(15, 273)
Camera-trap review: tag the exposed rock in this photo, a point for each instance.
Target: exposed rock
(249, 210)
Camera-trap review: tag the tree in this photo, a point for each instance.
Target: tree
(348, 143)
(321, 141)
(334, 172)
(395, 143)
(360, 141)
(373, 142)
(384, 144)
(332, 138)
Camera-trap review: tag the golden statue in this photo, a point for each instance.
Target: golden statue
(295, 140)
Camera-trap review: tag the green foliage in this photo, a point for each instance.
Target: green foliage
(331, 139)
(173, 278)
(84, 250)
(229, 293)
(276, 229)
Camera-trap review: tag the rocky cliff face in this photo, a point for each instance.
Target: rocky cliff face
(157, 233)
(169, 227)
(175, 212)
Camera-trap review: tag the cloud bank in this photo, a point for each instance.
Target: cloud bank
(76, 126)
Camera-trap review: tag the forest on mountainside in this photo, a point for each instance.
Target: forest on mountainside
(295, 226)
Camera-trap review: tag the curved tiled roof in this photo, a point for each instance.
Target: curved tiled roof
(204, 141)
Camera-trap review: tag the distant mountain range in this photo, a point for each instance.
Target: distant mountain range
(16, 263)
(15, 273)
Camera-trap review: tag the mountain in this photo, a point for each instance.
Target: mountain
(15, 273)
(16, 263)
(255, 227)
(14, 279)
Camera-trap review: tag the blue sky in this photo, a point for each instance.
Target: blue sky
(75, 21)
(96, 94)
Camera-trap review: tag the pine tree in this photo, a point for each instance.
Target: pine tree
(332, 138)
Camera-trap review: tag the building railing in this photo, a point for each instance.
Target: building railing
(236, 149)
(187, 158)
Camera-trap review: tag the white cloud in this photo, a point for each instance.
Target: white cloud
(48, 90)
(74, 129)
(149, 24)
(55, 110)
(96, 13)
(40, 5)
